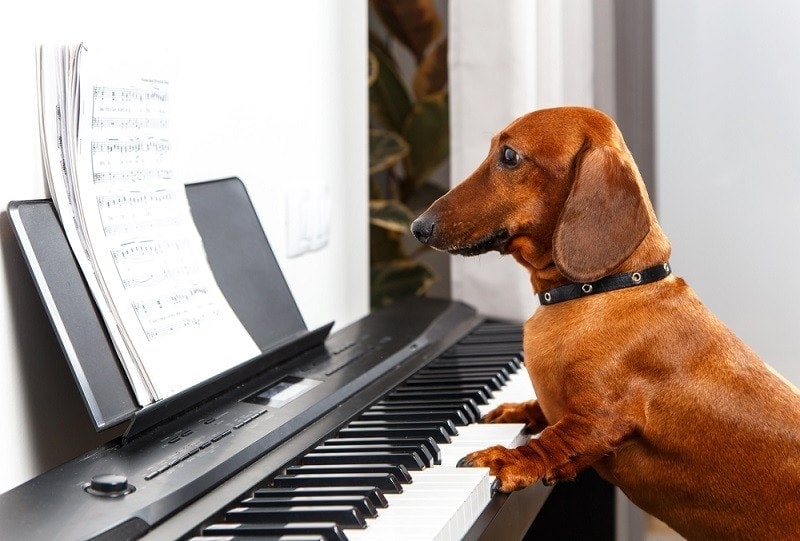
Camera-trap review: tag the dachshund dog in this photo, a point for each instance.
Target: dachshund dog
(633, 374)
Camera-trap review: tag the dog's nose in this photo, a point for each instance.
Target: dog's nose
(422, 228)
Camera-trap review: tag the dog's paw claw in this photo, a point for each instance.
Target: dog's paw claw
(464, 462)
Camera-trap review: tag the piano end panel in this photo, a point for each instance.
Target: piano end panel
(509, 516)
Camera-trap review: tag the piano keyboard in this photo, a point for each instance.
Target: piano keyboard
(390, 472)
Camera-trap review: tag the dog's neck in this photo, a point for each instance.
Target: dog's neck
(545, 275)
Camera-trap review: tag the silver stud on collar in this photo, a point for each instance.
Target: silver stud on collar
(586, 288)
(636, 277)
(547, 297)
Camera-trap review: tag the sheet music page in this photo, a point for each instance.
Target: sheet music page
(56, 66)
(139, 236)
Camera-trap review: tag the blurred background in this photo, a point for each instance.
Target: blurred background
(288, 97)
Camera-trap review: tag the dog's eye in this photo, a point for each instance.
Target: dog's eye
(509, 157)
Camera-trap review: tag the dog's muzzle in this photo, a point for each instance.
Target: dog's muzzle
(423, 228)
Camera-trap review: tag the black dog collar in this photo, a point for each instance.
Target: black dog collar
(609, 283)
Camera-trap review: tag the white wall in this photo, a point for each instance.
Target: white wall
(274, 93)
(728, 157)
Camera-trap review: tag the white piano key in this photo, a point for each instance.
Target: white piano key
(517, 389)
(480, 436)
(441, 503)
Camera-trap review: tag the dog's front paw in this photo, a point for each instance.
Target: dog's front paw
(512, 470)
(506, 413)
(528, 413)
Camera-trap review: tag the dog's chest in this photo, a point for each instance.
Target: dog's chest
(564, 356)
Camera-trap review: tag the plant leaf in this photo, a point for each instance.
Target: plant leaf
(414, 23)
(431, 76)
(397, 279)
(386, 148)
(372, 69)
(388, 97)
(427, 132)
(391, 215)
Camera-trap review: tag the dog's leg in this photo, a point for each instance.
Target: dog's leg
(528, 412)
(560, 452)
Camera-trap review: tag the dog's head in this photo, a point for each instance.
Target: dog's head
(559, 187)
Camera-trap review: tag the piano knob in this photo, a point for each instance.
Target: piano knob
(110, 485)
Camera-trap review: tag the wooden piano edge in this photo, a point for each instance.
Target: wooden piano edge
(509, 516)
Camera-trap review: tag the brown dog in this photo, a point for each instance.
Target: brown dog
(634, 376)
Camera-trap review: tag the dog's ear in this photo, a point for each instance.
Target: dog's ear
(603, 220)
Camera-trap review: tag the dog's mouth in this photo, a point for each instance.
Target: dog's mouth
(495, 241)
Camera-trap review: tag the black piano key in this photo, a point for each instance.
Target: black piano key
(475, 394)
(474, 350)
(330, 531)
(458, 372)
(399, 471)
(492, 338)
(469, 405)
(454, 416)
(373, 494)
(410, 460)
(437, 433)
(444, 424)
(490, 327)
(361, 503)
(418, 449)
(304, 537)
(429, 444)
(511, 363)
(491, 382)
(448, 386)
(344, 515)
(384, 481)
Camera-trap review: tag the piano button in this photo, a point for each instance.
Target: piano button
(397, 463)
(399, 471)
(410, 459)
(454, 416)
(375, 496)
(426, 443)
(387, 482)
(422, 453)
(437, 433)
(444, 424)
(344, 515)
(328, 530)
(363, 504)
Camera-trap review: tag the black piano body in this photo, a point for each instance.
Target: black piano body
(185, 461)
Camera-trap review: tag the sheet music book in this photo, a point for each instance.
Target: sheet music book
(106, 150)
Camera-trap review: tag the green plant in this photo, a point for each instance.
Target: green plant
(409, 140)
